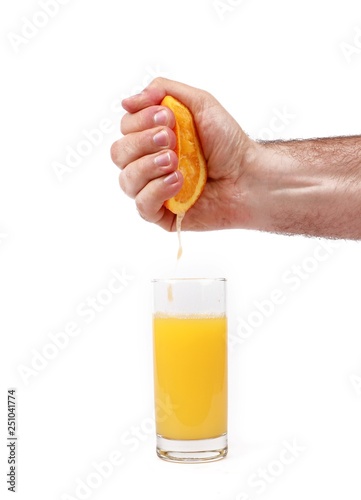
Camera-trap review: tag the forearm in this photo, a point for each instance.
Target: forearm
(310, 187)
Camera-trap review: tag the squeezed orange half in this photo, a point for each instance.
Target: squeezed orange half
(191, 161)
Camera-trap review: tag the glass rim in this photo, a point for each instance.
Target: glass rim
(167, 280)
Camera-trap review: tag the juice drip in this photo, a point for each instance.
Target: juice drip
(180, 217)
(170, 293)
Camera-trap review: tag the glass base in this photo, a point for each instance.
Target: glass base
(193, 450)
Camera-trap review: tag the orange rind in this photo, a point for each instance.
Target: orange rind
(191, 161)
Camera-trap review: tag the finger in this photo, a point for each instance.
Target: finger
(150, 200)
(151, 117)
(137, 175)
(167, 220)
(137, 144)
(143, 100)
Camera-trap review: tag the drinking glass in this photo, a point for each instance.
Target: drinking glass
(190, 369)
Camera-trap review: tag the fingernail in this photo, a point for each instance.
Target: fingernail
(171, 178)
(161, 138)
(162, 160)
(161, 118)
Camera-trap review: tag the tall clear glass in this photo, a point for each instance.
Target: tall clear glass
(190, 369)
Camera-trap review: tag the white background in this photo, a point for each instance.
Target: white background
(295, 379)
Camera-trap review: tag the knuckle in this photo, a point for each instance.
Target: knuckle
(158, 81)
(122, 152)
(126, 184)
(143, 217)
(140, 205)
(114, 152)
(123, 123)
(144, 206)
(125, 151)
(122, 182)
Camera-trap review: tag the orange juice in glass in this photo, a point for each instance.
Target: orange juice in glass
(190, 369)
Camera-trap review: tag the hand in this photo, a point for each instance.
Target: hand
(148, 162)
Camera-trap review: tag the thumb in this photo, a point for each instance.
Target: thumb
(195, 99)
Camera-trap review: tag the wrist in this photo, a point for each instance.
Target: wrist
(279, 187)
(254, 187)
(287, 187)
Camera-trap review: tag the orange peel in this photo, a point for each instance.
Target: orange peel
(191, 161)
